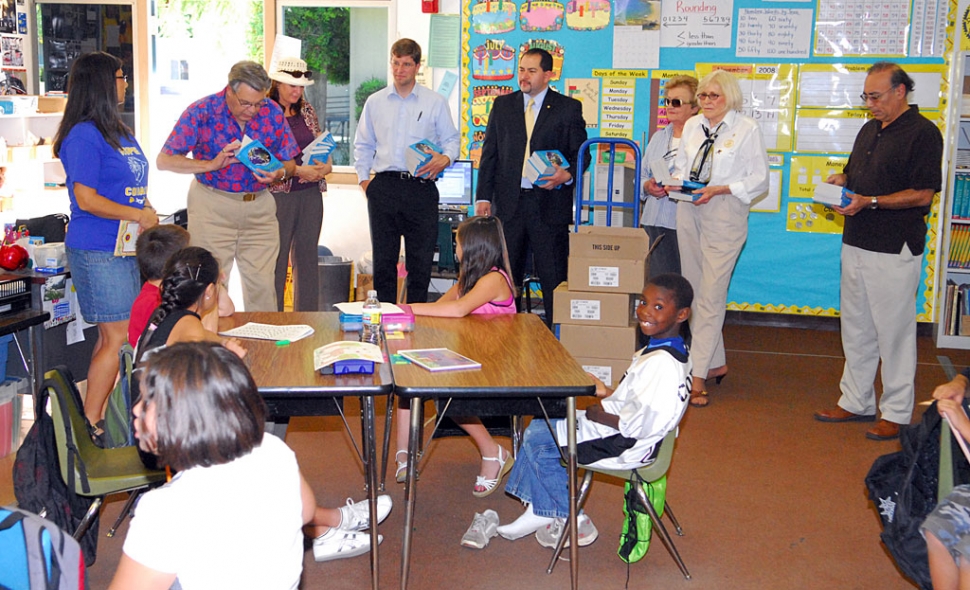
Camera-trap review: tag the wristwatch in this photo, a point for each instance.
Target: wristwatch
(874, 203)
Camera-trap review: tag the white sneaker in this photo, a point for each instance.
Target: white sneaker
(548, 536)
(355, 516)
(524, 525)
(482, 529)
(338, 544)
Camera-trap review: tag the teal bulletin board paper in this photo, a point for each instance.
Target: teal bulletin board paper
(778, 270)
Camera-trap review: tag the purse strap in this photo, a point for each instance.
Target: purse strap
(946, 461)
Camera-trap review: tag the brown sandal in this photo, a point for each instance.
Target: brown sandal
(699, 399)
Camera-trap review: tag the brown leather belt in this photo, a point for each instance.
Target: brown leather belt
(244, 197)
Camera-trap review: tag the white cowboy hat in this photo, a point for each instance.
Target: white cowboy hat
(292, 71)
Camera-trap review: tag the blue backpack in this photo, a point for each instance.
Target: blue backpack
(36, 554)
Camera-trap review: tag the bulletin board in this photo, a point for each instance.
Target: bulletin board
(801, 66)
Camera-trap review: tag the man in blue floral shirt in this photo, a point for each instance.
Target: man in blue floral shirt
(231, 212)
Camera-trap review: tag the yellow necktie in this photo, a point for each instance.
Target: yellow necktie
(530, 123)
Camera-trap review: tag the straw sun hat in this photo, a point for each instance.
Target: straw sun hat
(292, 71)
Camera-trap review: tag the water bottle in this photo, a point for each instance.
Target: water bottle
(370, 329)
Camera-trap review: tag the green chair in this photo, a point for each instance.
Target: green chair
(650, 473)
(89, 470)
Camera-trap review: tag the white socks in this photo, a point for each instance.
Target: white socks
(524, 525)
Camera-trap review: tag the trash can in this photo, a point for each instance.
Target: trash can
(334, 274)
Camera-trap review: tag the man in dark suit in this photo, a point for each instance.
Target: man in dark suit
(536, 216)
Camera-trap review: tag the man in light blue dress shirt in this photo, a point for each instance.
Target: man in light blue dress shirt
(400, 204)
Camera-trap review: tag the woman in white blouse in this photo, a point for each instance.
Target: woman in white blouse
(722, 151)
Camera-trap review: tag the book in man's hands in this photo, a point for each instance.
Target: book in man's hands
(439, 359)
(255, 156)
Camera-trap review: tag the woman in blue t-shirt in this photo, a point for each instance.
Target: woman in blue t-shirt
(107, 180)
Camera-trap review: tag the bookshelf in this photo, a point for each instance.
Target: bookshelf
(953, 320)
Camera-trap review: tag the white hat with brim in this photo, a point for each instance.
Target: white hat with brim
(282, 72)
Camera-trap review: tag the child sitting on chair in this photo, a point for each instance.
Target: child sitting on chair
(153, 249)
(623, 431)
(483, 288)
(190, 291)
(232, 515)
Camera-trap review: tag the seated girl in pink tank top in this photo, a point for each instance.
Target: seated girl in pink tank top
(483, 287)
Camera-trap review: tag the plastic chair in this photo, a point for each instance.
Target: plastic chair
(92, 471)
(648, 474)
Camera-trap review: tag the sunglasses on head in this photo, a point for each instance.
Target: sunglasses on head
(298, 74)
(674, 102)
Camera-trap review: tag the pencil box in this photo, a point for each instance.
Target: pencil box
(349, 367)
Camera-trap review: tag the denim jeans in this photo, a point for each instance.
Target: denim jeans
(538, 477)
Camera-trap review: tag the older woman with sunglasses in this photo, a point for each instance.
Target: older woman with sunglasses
(299, 199)
(659, 216)
(722, 155)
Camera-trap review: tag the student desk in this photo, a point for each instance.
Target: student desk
(30, 320)
(287, 381)
(521, 361)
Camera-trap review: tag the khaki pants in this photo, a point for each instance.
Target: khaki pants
(878, 316)
(710, 238)
(234, 230)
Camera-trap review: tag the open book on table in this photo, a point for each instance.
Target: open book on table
(439, 359)
(290, 333)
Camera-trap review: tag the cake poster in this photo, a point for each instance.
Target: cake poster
(493, 60)
(542, 15)
(493, 17)
(482, 99)
(588, 15)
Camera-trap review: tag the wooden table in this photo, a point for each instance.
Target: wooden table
(521, 361)
(287, 381)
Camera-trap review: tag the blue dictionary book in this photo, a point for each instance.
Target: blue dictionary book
(542, 164)
(255, 156)
(318, 152)
(418, 154)
(830, 195)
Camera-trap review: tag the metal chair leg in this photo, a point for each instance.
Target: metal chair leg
(387, 438)
(673, 519)
(132, 496)
(664, 535)
(518, 428)
(89, 517)
(567, 530)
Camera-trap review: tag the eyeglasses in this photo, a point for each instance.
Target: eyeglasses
(874, 96)
(298, 74)
(125, 78)
(708, 96)
(675, 102)
(247, 105)
(405, 65)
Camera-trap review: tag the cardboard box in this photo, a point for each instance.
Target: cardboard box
(608, 259)
(587, 308)
(602, 342)
(51, 104)
(609, 371)
(626, 243)
(607, 275)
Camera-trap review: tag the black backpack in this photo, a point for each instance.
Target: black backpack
(37, 480)
(904, 488)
